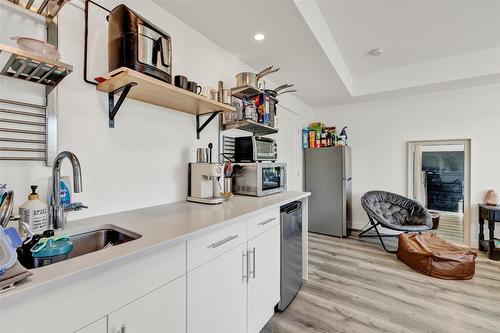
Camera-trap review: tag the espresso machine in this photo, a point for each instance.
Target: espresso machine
(203, 183)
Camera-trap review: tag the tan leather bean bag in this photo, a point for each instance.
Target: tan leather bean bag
(433, 256)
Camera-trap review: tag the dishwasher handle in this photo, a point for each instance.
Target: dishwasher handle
(291, 207)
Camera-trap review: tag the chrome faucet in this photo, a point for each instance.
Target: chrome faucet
(56, 209)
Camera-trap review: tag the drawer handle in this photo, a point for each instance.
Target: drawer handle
(222, 241)
(267, 221)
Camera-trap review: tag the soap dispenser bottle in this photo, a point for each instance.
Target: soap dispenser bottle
(34, 213)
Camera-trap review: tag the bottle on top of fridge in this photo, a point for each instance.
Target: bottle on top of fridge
(35, 213)
(305, 138)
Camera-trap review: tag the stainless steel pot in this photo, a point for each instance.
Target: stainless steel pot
(252, 79)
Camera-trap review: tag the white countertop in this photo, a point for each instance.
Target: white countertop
(160, 227)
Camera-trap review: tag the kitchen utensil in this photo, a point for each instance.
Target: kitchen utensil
(6, 206)
(9, 241)
(283, 86)
(214, 94)
(238, 106)
(193, 87)
(202, 155)
(27, 229)
(277, 91)
(24, 253)
(228, 169)
(228, 186)
(225, 96)
(210, 146)
(286, 91)
(249, 112)
(181, 81)
(51, 250)
(251, 79)
(37, 46)
(205, 91)
(204, 186)
(138, 44)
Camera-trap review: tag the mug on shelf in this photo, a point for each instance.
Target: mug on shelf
(193, 87)
(181, 81)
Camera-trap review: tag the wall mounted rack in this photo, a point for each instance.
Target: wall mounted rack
(141, 87)
(47, 8)
(23, 133)
(247, 91)
(32, 67)
(250, 126)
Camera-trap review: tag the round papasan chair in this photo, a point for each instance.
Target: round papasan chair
(395, 212)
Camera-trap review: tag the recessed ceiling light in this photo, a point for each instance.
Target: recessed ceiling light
(375, 52)
(259, 37)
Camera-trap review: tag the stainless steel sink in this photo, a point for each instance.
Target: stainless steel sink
(99, 239)
(88, 241)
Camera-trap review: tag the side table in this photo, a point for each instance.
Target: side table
(492, 215)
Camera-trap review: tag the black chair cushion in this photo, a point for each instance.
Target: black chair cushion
(396, 212)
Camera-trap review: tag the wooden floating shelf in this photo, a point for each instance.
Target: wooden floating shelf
(153, 91)
(251, 126)
(28, 66)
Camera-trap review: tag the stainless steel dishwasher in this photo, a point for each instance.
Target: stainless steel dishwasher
(291, 252)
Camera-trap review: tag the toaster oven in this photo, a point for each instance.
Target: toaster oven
(255, 149)
(135, 43)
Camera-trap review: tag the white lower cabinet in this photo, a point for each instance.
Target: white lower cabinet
(99, 326)
(236, 292)
(263, 278)
(216, 294)
(163, 310)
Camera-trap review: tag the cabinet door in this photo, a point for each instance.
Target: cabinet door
(96, 327)
(216, 292)
(163, 310)
(263, 278)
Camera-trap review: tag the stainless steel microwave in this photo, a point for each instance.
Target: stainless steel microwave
(255, 149)
(260, 179)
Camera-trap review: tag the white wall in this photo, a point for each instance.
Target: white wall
(143, 161)
(379, 132)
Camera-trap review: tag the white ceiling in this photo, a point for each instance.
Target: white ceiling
(288, 43)
(410, 31)
(321, 45)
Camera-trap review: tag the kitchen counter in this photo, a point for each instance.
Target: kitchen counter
(160, 227)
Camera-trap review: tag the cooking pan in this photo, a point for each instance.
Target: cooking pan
(252, 79)
(278, 91)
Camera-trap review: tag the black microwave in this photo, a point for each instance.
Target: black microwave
(255, 149)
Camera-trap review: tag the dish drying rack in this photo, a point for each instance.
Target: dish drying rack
(32, 67)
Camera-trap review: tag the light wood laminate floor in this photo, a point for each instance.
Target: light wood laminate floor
(355, 286)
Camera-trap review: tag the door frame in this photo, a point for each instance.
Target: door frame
(467, 176)
(295, 117)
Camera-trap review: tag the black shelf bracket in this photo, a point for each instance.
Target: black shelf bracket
(200, 128)
(113, 108)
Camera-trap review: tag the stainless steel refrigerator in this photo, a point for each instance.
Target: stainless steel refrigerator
(328, 178)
